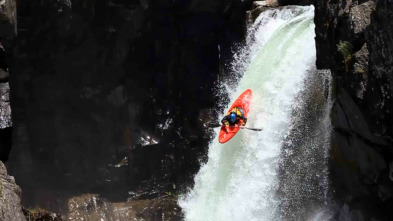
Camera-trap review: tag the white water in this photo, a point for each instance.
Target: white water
(241, 178)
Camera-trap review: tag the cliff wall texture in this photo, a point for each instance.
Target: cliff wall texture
(354, 40)
(101, 89)
(7, 36)
(110, 97)
(10, 201)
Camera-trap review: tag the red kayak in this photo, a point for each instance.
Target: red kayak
(243, 101)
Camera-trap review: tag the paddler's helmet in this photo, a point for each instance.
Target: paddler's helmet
(232, 118)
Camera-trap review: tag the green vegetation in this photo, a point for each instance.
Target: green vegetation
(359, 69)
(345, 48)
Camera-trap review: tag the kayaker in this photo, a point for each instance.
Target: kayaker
(234, 116)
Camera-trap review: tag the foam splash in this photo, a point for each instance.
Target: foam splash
(240, 179)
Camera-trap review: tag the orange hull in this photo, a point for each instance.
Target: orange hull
(243, 101)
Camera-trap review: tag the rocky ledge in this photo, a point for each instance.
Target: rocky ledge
(94, 207)
(10, 197)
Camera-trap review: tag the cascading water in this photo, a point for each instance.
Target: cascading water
(253, 176)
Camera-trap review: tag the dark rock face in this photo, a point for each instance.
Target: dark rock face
(5, 143)
(10, 193)
(90, 78)
(354, 40)
(380, 86)
(295, 2)
(7, 34)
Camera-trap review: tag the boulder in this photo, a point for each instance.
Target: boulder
(268, 3)
(360, 16)
(10, 197)
(8, 12)
(259, 3)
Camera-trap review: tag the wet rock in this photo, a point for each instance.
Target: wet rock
(360, 16)
(10, 193)
(360, 70)
(41, 215)
(360, 58)
(379, 91)
(268, 3)
(295, 2)
(149, 162)
(253, 14)
(7, 18)
(339, 118)
(257, 4)
(8, 12)
(357, 165)
(4, 75)
(3, 65)
(5, 143)
(358, 178)
(92, 207)
(362, 113)
(333, 20)
(355, 117)
(351, 115)
(5, 108)
(96, 73)
(7, 33)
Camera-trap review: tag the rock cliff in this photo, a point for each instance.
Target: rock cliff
(354, 41)
(110, 97)
(101, 89)
(10, 201)
(7, 34)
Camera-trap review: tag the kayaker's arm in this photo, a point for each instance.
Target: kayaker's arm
(224, 120)
(243, 121)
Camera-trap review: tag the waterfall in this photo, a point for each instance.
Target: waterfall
(281, 172)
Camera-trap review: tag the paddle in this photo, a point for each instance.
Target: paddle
(250, 128)
(241, 127)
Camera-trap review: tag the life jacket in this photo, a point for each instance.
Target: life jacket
(238, 111)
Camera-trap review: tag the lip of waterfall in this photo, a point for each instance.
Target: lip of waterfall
(243, 179)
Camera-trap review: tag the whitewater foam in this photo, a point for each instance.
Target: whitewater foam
(240, 179)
